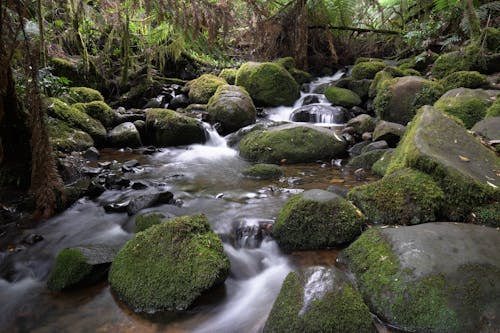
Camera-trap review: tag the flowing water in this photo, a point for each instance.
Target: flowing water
(204, 179)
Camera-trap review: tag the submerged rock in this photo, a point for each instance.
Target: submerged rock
(291, 142)
(264, 171)
(169, 265)
(435, 277)
(319, 299)
(316, 219)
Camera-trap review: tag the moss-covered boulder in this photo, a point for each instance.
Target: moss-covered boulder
(468, 105)
(83, 95)
(291, 143)
(287, 62)
(316, 219)
(342, 97)
(169, 128)
(147, 220)
(379, 81)
(403, 197)
(232, 108)
(398, 99)
(269, 84)
(367, 70)
(300, 307)
(80, 266)
(76, 119)
(365, 160)
(466, 171)
(434, 277)
(202, 88)
(380, 166)
(67, 139)
(300, 76)
(125, 135)
(100, 111)
(449, 63)
(169, 265)
(362, 123)
(263, 171)
(464, 79)
(491, 37)
(229, 75)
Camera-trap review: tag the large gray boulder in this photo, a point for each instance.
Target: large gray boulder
(291, 143)
(232, 108)
(125, 135)
(466, 170)
(434, 277)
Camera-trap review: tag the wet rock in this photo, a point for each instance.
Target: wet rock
(316, 219)
(264, 171)
(130, 116)
(380, 167)
(389, 132)
(179, 101)
(131, 164)
(434, 277)
(360, 174)
(318, 113)
(356, 111)
(366, 159)
(190, 264)
(367, 136)
(362, 123)
(357, 148)
(310, 99)
(149, 200)
(95, 189)
(80, 266)
(117, 207)
(32, 239)
(375, 145)
(71, 168)
(125, 135)
(319, 299)
(91, 154)
(138, 185)
(91, 171)
(342, 192)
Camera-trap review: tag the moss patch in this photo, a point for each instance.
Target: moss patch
(83, 95)
(487, 215)
(403, 197)
(366, 159)
(492, 39)
(465, 79)
(70, 269)
(468, 109)
(100, 111)
(145, 221)
(380, 167)
(202, 88)
(367, 70)
(169, 265)
(449, 63)
(494, 109)
(342, 97)
(264, 171)
(229, 74)
(66, 139)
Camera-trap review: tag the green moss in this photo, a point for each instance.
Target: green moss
(264, 171)
(169, 128)
(391, 292)
(66, 139)
(403, 197)
(169, 265)
(468, 109)
(494, 109)
(202, 88)
(342, 97)
(292, 144)
(367, 70)
(229, 74)
(83, 95)
(269, 84)
(378, 82)
(366, 59)
(100, 111)
(380, 167)
(300, 76)
(305, 223)
(284, 314)
(70, 269)
(76, 119)
(487, 215)
(465, 79)
(410, 72)
(145, 221)
(366, 160)
(287, 62)
(492, 39)
(449, 63)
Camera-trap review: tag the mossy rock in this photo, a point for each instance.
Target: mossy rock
(362, 123)
(468, 105)
(269, 84)
(487, 215)
(366, 159)
(232, 108)
(367, 59)
(339, 308)
(300, 76)
(204, 87)
(83, 95)
(316, 219)
(100, 111)
(491, 37)
(76, 119)
(380, 167)
(465, 170)
(169, 128)
(80, 266)
(449, 63)
(67, 139)
(342, 97)
(465, 79)
(65, 68)
(398, 99)
(287, 62)
(367, 70)
(291, 143)
(147, 220)
(494, 109)
(263, 171)
(169, 265)
(388, 132)
(434, 277)
(229, 74)
(403, 197)
(125, 135)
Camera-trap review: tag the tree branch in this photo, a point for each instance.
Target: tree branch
(361, 30)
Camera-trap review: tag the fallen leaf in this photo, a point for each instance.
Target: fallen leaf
(463, 158)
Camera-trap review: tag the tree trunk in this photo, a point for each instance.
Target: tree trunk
(473, 19)
(299, 37)
(125, 50)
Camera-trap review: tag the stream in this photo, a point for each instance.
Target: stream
(204, 179)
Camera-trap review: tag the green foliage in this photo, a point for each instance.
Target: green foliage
(51, 85)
